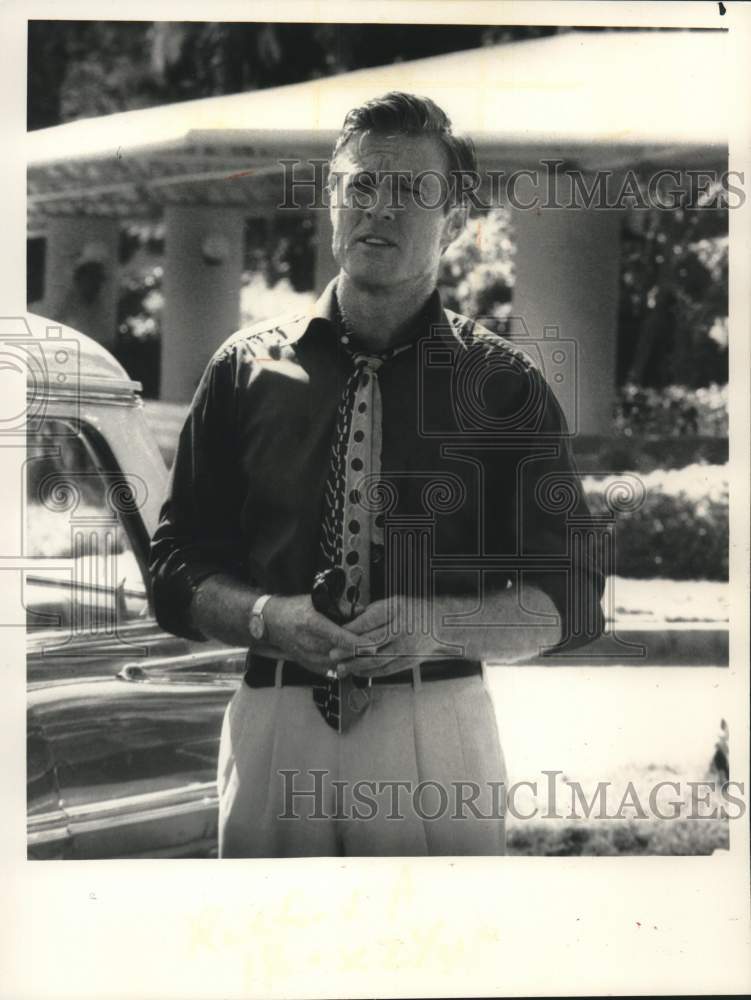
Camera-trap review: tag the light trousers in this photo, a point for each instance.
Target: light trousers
(419, 773)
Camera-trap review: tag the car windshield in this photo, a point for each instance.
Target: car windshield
(88, 578)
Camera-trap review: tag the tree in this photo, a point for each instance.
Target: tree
(477, 270)
(80, 69)
(674, 297)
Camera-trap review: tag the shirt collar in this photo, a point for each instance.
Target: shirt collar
(325, 314)
(324, 308)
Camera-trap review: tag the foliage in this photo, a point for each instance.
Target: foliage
(674, 297)
(79, 69)
(605, 454)
(680, 531)
(674, 276)
(674, 411)
(140, 303)
(277, 278)
(694, 829)
(620, 837)
(477, 270)
(672, 323)
(258, 300)
(282, 249)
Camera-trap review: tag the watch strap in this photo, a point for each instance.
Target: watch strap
(257, 609)
(260, 604)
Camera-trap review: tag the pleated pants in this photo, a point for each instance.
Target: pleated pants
(419, 773)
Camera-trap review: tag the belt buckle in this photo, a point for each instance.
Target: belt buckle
(353, 703)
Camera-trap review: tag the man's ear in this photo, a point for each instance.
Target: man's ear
(456, 220)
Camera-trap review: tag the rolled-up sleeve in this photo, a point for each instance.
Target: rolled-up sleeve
(562, 545)
(198, 533)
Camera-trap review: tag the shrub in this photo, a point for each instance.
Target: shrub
(672, 412)
(477, 270)
(619, 837)
(680, 531)
(601, 456)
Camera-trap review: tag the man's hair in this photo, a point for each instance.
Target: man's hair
(407, 114)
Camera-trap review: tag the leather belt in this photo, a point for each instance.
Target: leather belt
(261, 673)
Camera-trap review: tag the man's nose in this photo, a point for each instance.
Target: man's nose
(381, 202)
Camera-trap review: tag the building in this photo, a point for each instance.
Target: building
(592, 102)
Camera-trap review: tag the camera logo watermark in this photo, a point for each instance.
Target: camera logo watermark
(71, 553)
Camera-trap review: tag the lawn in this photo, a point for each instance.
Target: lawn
(553, 838)
(689, 834)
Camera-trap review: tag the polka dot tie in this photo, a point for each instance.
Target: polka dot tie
(350, 532)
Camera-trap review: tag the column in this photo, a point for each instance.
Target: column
(567, 277)
(202, 275)
(325, 265)
(81, 284)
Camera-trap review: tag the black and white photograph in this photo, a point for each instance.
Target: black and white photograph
(374, 490)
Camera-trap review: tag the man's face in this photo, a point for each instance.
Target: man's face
(384, 233)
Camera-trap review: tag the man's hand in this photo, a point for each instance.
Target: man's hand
(305, 636)
(398, 633)
(395, 634)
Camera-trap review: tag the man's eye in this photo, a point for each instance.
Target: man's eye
(409, 190)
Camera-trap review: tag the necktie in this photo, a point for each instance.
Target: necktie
(349, 531)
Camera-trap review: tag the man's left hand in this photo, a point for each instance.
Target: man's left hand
(396, 634)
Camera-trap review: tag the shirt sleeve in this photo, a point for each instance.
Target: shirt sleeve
(198, 533)
(561, 543)
(540, 516)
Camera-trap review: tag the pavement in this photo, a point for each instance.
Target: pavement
(658, 623)
(662, 644)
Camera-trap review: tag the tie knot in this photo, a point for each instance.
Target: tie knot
(368, 362)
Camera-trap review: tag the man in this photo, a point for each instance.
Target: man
(362, 496)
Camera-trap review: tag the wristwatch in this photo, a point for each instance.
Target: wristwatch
(256, 623)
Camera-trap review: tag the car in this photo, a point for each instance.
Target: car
(123, 719)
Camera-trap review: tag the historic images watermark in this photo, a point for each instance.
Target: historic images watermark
(316, 795)
(314, 184)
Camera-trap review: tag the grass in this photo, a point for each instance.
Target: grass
(555, 838)
(685, 835)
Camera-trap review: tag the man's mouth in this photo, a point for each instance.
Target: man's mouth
(375, 241)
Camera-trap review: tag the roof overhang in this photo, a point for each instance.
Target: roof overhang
(592, 99)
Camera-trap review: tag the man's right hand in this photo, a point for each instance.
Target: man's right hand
(304, 635)
(295, 630)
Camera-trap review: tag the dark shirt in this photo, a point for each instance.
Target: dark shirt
(475, 454)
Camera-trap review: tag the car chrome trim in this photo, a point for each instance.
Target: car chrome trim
(39, 643)
(95, 825)
(47, 836)
(190, 791)
(163, 666)
(111, 813)
(116, 394)
(146, 807)
(45, 828)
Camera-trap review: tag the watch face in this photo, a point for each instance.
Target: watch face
(256, 627)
